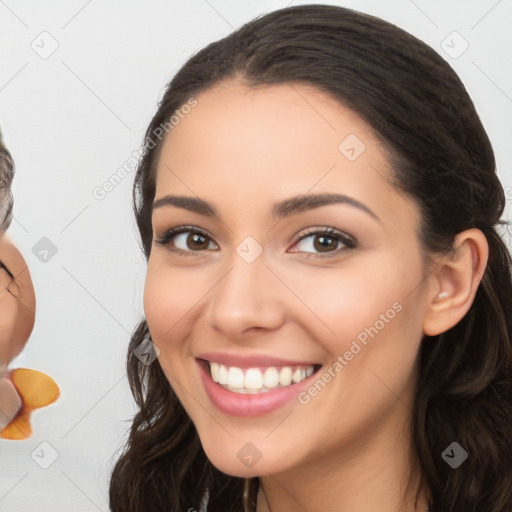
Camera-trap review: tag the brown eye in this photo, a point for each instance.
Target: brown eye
(324, 244)
(328, 241)
(196, 241)
(185, 240)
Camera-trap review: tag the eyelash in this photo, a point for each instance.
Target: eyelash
(347, 240)
(2, 265)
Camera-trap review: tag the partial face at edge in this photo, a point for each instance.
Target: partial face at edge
(243, 150)
(17, 301)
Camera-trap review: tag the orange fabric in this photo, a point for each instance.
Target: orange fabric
(36, 390)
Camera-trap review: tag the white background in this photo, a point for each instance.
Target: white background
(70, 121)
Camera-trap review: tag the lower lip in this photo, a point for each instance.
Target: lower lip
(258, 404)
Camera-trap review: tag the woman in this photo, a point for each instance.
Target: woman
(326, 290)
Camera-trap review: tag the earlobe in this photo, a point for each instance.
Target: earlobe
(454, 282)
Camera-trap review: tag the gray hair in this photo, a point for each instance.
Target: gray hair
(6, 176)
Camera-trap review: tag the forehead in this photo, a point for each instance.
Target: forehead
(244, 145)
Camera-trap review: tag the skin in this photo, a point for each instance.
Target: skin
(17, 315)
(243, 149)
(17, 301)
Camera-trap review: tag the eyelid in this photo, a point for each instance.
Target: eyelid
(347, 240)
(340, 236)
(326, 229)
(170, 234)
(2, 265)
(11, 286)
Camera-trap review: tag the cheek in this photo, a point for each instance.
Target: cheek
(15, 327)
(364, 311)
(163, 300)
(339, 303)
(171, 294)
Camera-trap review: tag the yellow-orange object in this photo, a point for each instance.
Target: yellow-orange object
(36, 390)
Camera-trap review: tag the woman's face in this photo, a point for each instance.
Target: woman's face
(246, 292)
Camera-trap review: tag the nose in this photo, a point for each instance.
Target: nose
(248, 298)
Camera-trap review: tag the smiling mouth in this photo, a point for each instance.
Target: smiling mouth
(256, 380)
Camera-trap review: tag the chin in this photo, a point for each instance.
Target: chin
(246, 462)
(236, 469)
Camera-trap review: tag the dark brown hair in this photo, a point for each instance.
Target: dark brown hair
(444, 161)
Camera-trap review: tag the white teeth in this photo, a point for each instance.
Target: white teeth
(285, 377)
(214, 370)
(298, 375)
(271, 378)
(253, 380)
(235, 377)
(223, 374)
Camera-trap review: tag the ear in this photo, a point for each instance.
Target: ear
(454, 282)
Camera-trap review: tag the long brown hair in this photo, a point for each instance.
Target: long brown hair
(443, 159)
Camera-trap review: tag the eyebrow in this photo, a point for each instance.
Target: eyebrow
(280, 210)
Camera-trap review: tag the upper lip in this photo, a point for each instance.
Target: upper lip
(250, 361)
